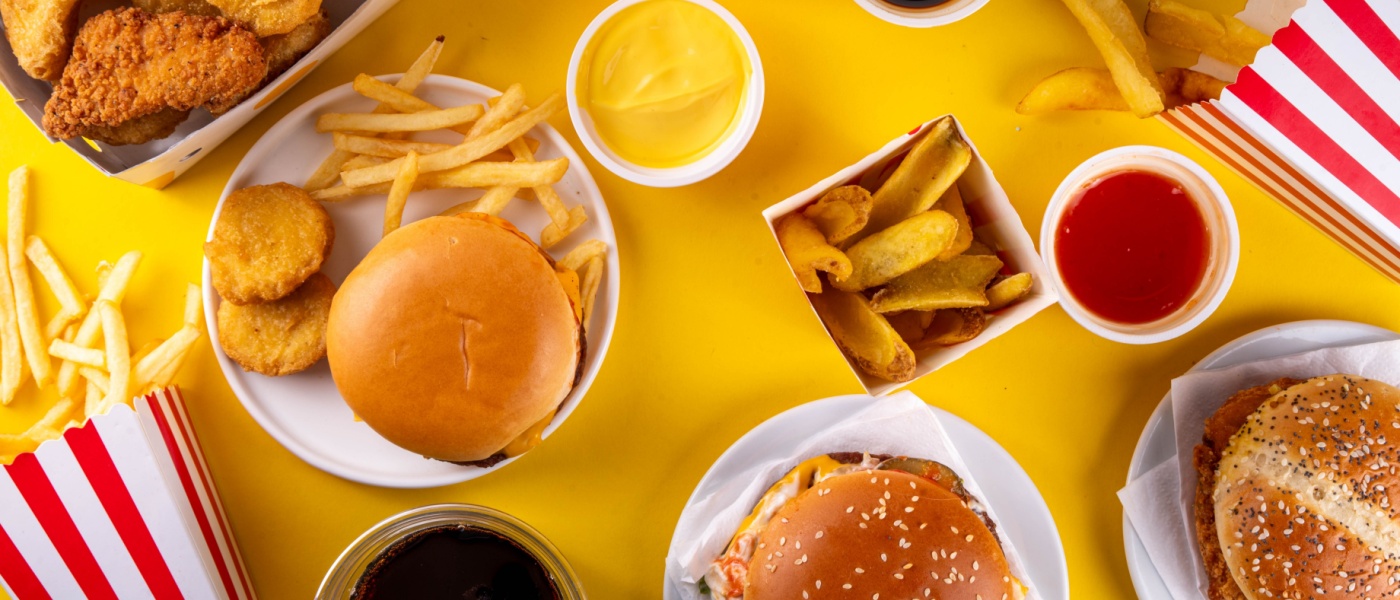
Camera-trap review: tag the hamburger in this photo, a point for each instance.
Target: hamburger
(853, 525)
(457, 338)
(1295, 480)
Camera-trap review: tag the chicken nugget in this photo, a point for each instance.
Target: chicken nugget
(267, 241)
(269, 17)
(41, 34)
(282, 337)
(283, 51)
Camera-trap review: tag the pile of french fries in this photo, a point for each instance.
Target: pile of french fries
(905, 270)
(1130, 83)
(96, 369)
(373, 155)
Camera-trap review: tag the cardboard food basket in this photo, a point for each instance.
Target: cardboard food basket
(1313, 121)
(122, 507)
(158, 162)
(993, 217)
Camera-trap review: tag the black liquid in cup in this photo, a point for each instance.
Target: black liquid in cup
(458, 563)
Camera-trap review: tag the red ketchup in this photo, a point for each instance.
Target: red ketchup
(1132, 247)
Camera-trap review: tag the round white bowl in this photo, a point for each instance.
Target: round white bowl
(943, 14)
(717, 159)
(1221, 228)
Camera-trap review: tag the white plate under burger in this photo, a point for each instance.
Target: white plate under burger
(1158, 441)
(1021, 511)
(304, 412)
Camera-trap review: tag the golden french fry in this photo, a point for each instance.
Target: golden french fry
(960, 282)
(808, 252)
(145, 349)
(503, 109)
(421, 67)
(841, 212)
(118, 356)
(12, 371)
(96, 377)
(553, 233)
(398, 193)
(494, 200)
(91, 357)
(390, 96)
(864, 335)
(1189, 87)
(194, 306)
(1004, 292)
(1218, 36)
(104, 269)
(328, 171)
(31, 336)
(379, 147)
(159, 367)
(1078, 88)
(59, 283)
(953, 326)
(592, 277)
(952, 203)
(1115, 32)
(524, 151)
(581, 254)
(420, 121)
(474, 175)
(897, 250)
(931, 167)
(362, 161)
(463, 153)
(92, 398)
(113, 290)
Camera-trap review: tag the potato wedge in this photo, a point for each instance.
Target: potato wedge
(1076, 88)
(1004, 292)
(1190, 87)
(897, 250)
(952, 203)
(957, 283)
(1222, 37)
(1115, 32)
(865, 336)
(931, 167)
(841, 212)
(953, 326)
(911, 324)
(808, 252)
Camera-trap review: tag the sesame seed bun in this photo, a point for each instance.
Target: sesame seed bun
(1302, 493)
(453, 336)
(878, 534)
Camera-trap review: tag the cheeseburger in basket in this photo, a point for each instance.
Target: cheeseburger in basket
(853, 525)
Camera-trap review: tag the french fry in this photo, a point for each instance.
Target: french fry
(361, 161)
(952, 203)
(113, 290)
(1004, 292)
(545, 194)
(145, 349)
(807, 252)
(474, 175)
(118, 356)
(901, 248)
(27, 313)
(390, 96)
(1115, 32)
(158, 368)
(68, 351)
(581, 254)
(505, 108)
(420, 121)
(957, 283)
(1084, 88)
(931, 167)
(104, 269)
(92, 398)
(463, 153)
(194, 306)
(553, 233)
(421, 67)
(69, 299)
(96, 377)
(865, 336)
(1222, 37)
(379, 147)
(398, 193)
(12, 371)
(1189, 87)
(494, 200)
(953, 326)
(592, 277)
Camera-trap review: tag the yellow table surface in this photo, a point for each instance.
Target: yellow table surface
(713, 336)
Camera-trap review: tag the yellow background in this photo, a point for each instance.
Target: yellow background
(713, 336)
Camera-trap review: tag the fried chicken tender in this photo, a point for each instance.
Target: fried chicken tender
(267, 241)
(269, 17)
(41, 34)
(128, 63)
(282, 337)
(140, 130)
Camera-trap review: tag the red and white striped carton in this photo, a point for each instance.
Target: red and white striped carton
(122, 507)
(1313, 122)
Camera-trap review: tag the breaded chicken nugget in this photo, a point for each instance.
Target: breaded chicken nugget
(155, 126)
(283, 51)
(269, 17)
(267, 241)
(282, 337)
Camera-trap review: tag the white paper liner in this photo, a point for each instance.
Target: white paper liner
(900, 424)
(1159, 503)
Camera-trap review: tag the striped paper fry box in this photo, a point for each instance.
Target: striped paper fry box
(1313, 122)
(122, 507)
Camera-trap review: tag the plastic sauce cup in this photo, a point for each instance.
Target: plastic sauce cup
(933, 16)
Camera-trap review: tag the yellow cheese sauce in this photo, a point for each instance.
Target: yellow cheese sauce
(664, 82)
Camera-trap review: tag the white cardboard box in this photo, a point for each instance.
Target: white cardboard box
(992, 215)
(158, 162)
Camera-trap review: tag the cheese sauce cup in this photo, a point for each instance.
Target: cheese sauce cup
(1141, 244)
(665, 93)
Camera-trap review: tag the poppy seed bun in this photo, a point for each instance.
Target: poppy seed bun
(1303, 493)
(453, 336)
(882, 533)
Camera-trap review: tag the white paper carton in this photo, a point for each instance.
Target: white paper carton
(992, 215)
(122, 507)
(156, 163)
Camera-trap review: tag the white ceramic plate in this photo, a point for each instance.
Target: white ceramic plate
(304, 412)
(1023, 515)
(1158, 441)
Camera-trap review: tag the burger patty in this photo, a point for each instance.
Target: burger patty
(1220, 427)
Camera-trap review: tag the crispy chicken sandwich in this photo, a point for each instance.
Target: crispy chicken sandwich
(1295, 480)
(852, 525)
(457, 338)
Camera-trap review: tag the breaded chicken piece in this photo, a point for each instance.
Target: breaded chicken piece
(41, 34)
(282, 337)
(192, 7)
(155, 126)
(269, 17)
(1220, 427)
(128, 63)
(283, 51)
(267, 240)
